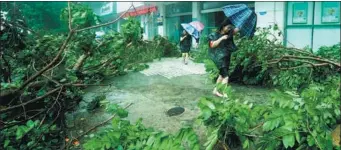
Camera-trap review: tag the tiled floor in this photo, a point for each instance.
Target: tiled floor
(173, 67)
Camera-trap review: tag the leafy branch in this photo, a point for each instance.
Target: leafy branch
(31, 101)
(60, 51)
(94, 127)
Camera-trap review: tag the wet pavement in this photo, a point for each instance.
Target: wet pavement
(165, 84)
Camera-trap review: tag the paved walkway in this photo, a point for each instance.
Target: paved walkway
(164, 85)
(174, 67)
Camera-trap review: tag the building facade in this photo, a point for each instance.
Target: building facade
(107, 11)
(146, 13)
(303, 24)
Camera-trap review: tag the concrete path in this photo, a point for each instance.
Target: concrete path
(172, 67)
(164, 85)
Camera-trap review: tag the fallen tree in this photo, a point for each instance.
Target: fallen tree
(45, 77)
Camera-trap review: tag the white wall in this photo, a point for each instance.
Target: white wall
(299, 37)
(274, 14)
(325, 37)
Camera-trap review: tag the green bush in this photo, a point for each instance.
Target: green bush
(250, 64)
(298, 121)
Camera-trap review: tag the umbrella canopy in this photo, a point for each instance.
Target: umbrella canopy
(190, 30)
(242, 17)
(197, 25)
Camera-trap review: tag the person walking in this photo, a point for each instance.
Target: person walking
(185, 45)
(221, 46)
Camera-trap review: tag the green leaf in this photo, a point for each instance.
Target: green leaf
(207, 103)
(120, 147)
(83, 15)
(246, 144)
(289, 141)
(20, 132)
(107, 145)
(337, 112)
(117, 135)
(6, 143)
(310, 140)
(54, 141)
(298, 137)
(150, 140)
(271, 124)
(41, 92)
(206, 113)
(122, 113)
(288, 126)
(213, 140)
(30, 124)
(53, 127)
(267, 126)
(30, 143)
(302, 147)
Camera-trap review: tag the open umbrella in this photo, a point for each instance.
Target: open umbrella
(242, 17)
(197, 25)
(190, 30)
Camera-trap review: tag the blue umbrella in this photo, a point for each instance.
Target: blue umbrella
(190, 30)
(242, 17)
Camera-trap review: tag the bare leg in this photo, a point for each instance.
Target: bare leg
(186, 58)
(215, 90)
(225, 82)
(183, 56)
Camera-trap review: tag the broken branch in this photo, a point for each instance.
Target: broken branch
(96, 126)
(30, 101)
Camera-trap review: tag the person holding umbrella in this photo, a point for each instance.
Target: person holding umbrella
(221, 45)
(185, 45)
(190, 29)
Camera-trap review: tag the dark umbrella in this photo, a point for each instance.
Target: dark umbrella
(242, 17)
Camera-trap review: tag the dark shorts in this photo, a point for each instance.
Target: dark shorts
(224, 68)
(185, 50)
(224, 72)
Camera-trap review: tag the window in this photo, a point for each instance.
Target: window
(300, 13)
(330, 12)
